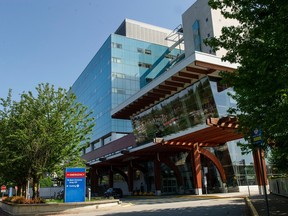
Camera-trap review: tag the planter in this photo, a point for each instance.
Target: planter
(43, 208)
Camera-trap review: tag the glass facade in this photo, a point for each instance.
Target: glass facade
(186, 109)
(119, 69)
(220, 94)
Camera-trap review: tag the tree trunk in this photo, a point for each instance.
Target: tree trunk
(36, 187)
(33, 189)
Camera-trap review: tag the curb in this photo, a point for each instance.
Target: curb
(251, 208)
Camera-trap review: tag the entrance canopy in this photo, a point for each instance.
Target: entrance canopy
(216, 132)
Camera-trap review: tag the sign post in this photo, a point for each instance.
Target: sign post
(257, 140)
(75, 185)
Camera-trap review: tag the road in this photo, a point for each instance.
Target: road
(171, 207)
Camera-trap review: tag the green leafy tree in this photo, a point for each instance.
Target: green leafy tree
(259, 44)
(12, 161)
(45, 131)
(46, 182)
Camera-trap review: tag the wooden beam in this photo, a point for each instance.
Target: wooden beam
(165, 87)
(213, 66)
(188, 75)
(176, 84)
(161, 91)
(197, 70)
(179, 79)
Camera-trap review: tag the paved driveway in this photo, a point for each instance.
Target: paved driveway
(173, 206)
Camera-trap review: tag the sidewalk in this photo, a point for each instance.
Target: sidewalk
(278, 205)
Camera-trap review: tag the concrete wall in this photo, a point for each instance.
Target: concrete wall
(254, 189)
(198, 11)
(60, 208)
(211, 23)
(279, 186)
(145, 32)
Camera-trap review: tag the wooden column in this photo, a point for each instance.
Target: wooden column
(94, 181)
(157, 175)
(258, 155)
(111, 183)
(130, 178)
(196, 169)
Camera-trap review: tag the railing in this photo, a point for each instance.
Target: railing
(279, 186)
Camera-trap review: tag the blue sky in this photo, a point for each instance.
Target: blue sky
(53, 40)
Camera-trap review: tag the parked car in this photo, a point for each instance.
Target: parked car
(113, 192)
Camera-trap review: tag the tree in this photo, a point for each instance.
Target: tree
(12, 170)
(46, 131)
(259, 44)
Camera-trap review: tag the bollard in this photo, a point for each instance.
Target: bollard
(89, 194)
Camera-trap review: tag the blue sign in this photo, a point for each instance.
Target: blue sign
(257, 136)
(75, 184)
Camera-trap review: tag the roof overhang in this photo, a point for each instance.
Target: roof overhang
(177, 78)
(216, 132)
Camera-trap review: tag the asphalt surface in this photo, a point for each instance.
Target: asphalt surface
(277, 205)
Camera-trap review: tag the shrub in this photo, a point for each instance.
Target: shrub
(23, 200)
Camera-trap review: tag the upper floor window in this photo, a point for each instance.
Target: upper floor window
(148, 52)
(118, 75)
(196, 35)
(116, 45)
(169, 56)
(145, 65)
(116, 60)
(140, 50)
(118, 91)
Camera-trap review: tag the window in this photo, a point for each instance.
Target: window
(140, 50)
(116, 60)
(169, 56)
(116, 45)
(148, 52)
(118, 75)
(118, 91)
(196, 35)
(145, 65)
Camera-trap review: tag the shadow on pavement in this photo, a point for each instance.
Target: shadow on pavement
(278, 205)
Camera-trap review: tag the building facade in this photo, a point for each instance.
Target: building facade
(161, 112)
(129, 59)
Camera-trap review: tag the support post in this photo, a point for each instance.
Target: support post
(130, 178)
(94, 181)
(157, 175)
(111, 183)
(258, 170)
(196, 169)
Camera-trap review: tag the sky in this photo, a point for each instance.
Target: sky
(52, 41)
